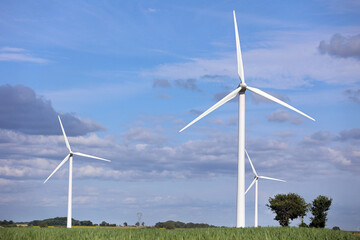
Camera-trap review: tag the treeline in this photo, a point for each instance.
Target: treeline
(6, 223)
(173, 224)
(61, 221)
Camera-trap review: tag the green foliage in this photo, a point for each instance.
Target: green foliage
(105, 224)
(86, 223)
(319, 209)
(268, 233)
(303, 224)
(169, 225)
(336, 228)
(43, 225)
(6, 223)
(58, 221)
(287, 207)
(179, 224)
(62, 221)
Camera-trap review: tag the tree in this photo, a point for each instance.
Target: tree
(288, 207)
(137, 224)
(170, 225)
(43, 225)
(104, 224)
(319, 209)
(86, 223)
(125, 224)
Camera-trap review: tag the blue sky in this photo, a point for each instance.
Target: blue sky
(127, 76)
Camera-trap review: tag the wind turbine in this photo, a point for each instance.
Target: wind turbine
(70, 156)
(255, 181)
(240, 90)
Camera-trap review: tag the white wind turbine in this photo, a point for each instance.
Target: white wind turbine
(255, 181)
(70, 156)
(240, 90)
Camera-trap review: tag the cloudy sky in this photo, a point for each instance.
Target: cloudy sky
(125, 77)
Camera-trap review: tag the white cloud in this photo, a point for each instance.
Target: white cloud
(12, 49)
(144, 135)
(281, 115)
(282, 65)
(11, 54)
(338, 157)
(152, 10)
(341, 46)
(212, 156)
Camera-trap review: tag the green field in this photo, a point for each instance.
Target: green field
(162, 234)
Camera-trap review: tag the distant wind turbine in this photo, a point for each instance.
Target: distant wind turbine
(240, 90)
(70, 156)
(255, 181)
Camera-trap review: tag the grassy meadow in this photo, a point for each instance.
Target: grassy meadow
(109, 233)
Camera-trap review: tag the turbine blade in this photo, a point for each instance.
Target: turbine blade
(89, 156)
(252, 166)
(215, 106)
(66, 139)
(238, 52)
(59, 166)
(274, 99)
(269, 178)
(253, 182)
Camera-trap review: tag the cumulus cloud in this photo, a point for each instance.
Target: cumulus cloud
(161, 83)
(284, 116)
(257, 99)
(187, 84)
(288, 63)
(352, 134)
(353, 95)
(11, 54)
(22, 110)
(195, 68)
(341, 46)
(220, 95)
(214, 77)
(318, 138)
(142, 153)
(232, 121)
(144, 135)
(196, 112)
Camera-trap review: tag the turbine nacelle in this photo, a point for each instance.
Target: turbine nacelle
(243, 87)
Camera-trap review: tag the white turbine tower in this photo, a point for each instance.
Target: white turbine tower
(240, 90)
(70, 156)
(255, 181)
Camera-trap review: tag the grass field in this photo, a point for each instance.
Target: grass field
(177, 234)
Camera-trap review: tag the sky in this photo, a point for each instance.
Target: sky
(126, 76)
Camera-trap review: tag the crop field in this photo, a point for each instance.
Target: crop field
(176, 234)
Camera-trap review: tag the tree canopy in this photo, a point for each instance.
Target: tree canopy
(172, 224)
(287, 207)
(319, 209)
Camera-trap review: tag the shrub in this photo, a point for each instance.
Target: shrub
(169, 225)
(43, 225)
